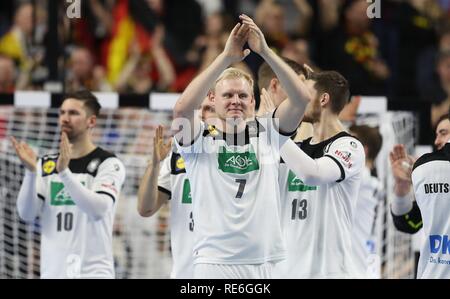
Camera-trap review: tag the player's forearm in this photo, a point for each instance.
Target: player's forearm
(28, 203)
(402, 205)
(410, 222)
(296, 90)
(148, 200)
(311, 172)
(196, 91)
(94, 204)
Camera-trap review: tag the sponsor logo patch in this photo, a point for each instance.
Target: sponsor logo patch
(237, 162)
(49, 167)
(180, 164)
(296, 184)
(59, 195)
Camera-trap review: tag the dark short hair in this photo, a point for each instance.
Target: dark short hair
(265, 72)
(442, 118)
(89, 100)
(335, 85)
(369, 137)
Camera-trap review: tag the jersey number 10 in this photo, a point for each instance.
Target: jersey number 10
(65, 221)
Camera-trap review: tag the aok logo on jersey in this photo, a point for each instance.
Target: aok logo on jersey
(239, 163)
(59, 196)
(296, 184)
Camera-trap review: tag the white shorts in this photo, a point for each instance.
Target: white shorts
(221, 271)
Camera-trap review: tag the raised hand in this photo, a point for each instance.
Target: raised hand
(25, 154)
(266, 104)
(401, 167)
(65, 152)
(256, 39)
(160, 149)
(235, 43)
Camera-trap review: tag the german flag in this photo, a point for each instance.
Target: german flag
(125, 31)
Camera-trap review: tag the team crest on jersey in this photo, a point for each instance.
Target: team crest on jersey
(237, 162)
(179, 164)
(92, 166)
(59, 196)
(49, 167)
(296, 184)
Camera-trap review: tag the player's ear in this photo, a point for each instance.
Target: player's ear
(92, 121)
(274, 85)
(324, 99)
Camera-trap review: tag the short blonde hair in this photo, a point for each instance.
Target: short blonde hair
(234, 73)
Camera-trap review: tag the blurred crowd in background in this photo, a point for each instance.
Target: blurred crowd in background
(140, 46)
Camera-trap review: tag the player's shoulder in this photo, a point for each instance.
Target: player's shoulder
(439, 155)
(91, 163)
(344, 140)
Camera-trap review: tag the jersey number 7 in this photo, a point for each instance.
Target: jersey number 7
(241, 188)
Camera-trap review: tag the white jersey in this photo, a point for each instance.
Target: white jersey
(364, 227)
(236, 208)
(74, 245)
(317, 220)
(431, 182)
(173, 181)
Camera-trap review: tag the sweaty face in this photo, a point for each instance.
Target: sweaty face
(73, 119)
(313, 109)
(442, 134)
(233, 99)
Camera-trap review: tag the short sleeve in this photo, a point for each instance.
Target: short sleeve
(110, 178)
(349, 155)
(276, 138)
(164, 184)
(194, 148)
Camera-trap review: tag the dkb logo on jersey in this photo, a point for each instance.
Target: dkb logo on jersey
(439, 243)
(59, 196)
(187, 198)
(237, 162)
(296, 184)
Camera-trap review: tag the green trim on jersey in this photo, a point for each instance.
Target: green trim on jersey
(187, 197)
(237, 162)
(296, 184)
